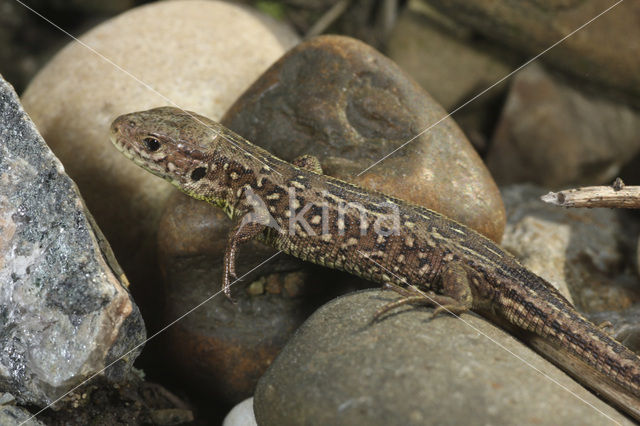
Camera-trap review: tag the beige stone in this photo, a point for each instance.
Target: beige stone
(198, 55)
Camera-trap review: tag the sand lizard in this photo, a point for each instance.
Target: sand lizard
(320, 219)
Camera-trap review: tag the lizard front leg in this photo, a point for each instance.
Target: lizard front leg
(245, 230)
(308, 162)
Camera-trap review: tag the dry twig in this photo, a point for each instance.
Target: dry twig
(615, 196)
(328, 18)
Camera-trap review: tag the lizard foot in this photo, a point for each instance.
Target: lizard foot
(414, 296)
(606, 326)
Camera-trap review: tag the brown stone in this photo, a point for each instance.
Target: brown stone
(350, 106)
(552, 134)
(453, 65)
(605, 52)
(445, 59)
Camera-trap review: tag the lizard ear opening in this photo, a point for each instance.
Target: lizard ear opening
(198, 173)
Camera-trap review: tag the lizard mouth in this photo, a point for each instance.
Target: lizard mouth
(120, 132)
(123, 137)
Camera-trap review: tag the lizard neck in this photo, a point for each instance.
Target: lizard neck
(235, 167)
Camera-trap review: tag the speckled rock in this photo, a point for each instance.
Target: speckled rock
(583, 252)
(554, 135)
(344, 102)
(65, 309)
(223, 348)
(533, 25)
(201, 56)
(411, 369)
(11, 415)
(241, 415)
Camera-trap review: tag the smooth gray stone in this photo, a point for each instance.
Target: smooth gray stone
(65, 311)
(411, 369)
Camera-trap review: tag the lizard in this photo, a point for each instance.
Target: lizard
(317, 218)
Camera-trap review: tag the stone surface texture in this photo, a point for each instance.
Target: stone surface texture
(199, 55)
(604, 52)
(344, 102)
(65, 312)
(583, 252)
(411, 369)
(445, 58)
(554, 135)
(11, 415)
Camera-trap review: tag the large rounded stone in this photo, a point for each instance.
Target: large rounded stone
(411, 369)
(605, 52)
(199, 55)
(344, 102)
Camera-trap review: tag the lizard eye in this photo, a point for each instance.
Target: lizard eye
(152, 144)
(198, 173)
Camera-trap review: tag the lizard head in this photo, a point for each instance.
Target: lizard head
(169, 142)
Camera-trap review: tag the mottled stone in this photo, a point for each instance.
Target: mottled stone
(624, 325)
(412, 369)
(223, 348)
(583, 252)
(241, 415)
(11, 415)
(342, 101)
(199, 55)
(602, 53)
(64, 306)
(554, 135)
